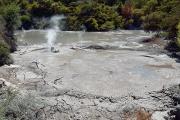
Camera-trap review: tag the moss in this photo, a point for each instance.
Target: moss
(4, 54)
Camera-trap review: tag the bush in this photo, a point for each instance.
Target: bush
(25, 18)
(15, 106)
(7, 96)
(12, 17)
(153, 22)
(109, 25)
(26, 21)
(4, 54)
(178, 37)
(72, 23)
(119, 22)
(91, 24)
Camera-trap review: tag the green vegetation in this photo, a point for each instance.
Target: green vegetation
(4, 54)
(96, 15)
(15, 106)
(10, 21)
(178, 38)
(6, 98)
(105, 15)
(11, 16)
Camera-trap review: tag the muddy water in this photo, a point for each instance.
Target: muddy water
(106, 64)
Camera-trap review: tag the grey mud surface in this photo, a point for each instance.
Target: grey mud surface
(95, 76)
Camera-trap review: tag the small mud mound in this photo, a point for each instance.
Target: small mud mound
(168, 66)
(154, 40)
(118, 46)
(101, 47)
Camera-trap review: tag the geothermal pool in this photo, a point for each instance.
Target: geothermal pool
(107, 64)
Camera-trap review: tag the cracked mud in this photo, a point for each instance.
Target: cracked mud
(107, 76)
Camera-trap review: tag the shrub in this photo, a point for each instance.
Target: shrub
(109, 25)
(72, 23)
(178, 37)
(25, 18)
(91, 24)
(26, 21)
(11, 16)
(153, 22)
(15, 106)
(4, 54)
(119, 22)
(6, 98)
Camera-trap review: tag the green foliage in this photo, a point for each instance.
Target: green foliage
(95, 17)
(4, 54)
(46, 8)
(6, 99)
(178, 37)
(119, 22)
(72, 23)
(10, 21)
(150, 6)
(163, 16)
(153, 21)
(10, 13)
(26, 21)
(103, 15)
(15, 106)
(91, 24)
(11, 16)
(25, 18)
(43, 8)
(108, 25)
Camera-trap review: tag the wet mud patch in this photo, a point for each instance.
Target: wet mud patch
(168, 66)
(154, 40)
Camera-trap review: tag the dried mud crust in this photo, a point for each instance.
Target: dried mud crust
(72, 106)
(61, 104)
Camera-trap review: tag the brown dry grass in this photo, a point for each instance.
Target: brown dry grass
(142, 114)
(139, 114)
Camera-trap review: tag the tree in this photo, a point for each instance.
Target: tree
(153, 22)
(12, 17)
(127, 10)
(4, 54)
(72, 23)
(12, 21)
(150, 6)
